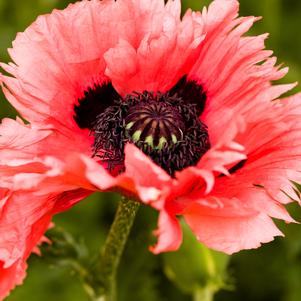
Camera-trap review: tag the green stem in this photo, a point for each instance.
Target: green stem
(204, 294)
(114, 246)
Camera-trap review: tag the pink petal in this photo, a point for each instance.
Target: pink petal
(163, 51)
(25, 218)
(23, 221)
(69, 60)
(142, 178)
(230, 233)
(169, 234)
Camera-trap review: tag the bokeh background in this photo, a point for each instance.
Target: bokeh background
(272, 272)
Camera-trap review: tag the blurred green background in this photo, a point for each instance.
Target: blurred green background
(272, 272)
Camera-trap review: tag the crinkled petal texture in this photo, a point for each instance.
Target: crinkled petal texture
(237, 213)
(63, 53)
(46, 166)
(38, 182)
(229, 198)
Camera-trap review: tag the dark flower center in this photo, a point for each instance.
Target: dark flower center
(165, 126)
(154, 124)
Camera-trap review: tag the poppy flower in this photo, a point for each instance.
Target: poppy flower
(178, 112)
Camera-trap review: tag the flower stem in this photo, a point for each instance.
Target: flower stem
(114, 246)
(204, 294)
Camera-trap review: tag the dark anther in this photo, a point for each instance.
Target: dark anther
(164, 127)
(191, 92)
(95, 100)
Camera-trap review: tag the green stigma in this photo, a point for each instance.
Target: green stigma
(155, 125)
(136, 136)
(149, 140)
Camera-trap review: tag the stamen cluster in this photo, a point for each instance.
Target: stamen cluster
(163, 126)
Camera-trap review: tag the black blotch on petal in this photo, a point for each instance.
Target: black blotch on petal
(95, 100)
(237, 167)
(191, 92)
